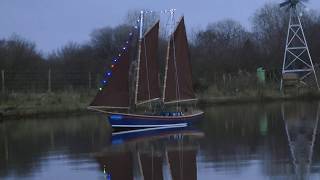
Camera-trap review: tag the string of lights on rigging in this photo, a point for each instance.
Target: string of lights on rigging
(116, 60)
(124, 49)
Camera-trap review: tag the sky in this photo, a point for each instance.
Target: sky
(53, 23)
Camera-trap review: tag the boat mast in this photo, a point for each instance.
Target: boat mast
(141, 25)
(139, 56)
(171, 25)
(172, 21)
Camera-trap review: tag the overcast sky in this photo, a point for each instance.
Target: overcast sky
(53, 23)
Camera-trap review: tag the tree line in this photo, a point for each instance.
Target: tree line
(222, 47)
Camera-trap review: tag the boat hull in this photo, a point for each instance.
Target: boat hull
(118, 120)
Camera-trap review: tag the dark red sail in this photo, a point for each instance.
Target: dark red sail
(148, 73)
(178, 77)
(115, 93)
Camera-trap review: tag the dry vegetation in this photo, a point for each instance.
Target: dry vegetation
(224, 56)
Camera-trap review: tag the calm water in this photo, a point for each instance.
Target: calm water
(273, 141)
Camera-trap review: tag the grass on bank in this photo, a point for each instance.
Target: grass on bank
(265, 93)
(24, 104)
(21, 105)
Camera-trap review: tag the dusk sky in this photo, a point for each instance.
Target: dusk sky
(53, 23)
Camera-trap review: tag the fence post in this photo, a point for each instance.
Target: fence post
(224, 80)
(49, 80)
(2, 81)
(89, 82)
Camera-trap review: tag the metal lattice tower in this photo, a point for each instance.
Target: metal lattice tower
(297, 59)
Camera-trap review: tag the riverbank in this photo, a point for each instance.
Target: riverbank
(262, 98)
(27, 105)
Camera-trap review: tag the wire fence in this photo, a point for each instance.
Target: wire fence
(47, 81)
(51, 80)
(242, 81)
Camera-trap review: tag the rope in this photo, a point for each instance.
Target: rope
(176, 73)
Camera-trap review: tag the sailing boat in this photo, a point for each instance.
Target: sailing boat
(147, 107)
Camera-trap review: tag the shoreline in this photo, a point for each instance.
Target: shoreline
(42, 115)
(254, 99)
(76, 107)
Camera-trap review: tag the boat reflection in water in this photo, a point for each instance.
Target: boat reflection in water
(301, 124)
(165, 153)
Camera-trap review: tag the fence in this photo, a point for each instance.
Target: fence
(57, 80)
(242, 82)
(47, 81)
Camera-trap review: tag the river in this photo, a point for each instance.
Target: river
(241, 142)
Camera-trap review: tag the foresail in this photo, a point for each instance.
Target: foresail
(178, 75)
(147, 88)
(115, 93)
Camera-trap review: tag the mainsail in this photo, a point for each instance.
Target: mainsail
(115, 93)
(178, 78)
(147, 87)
